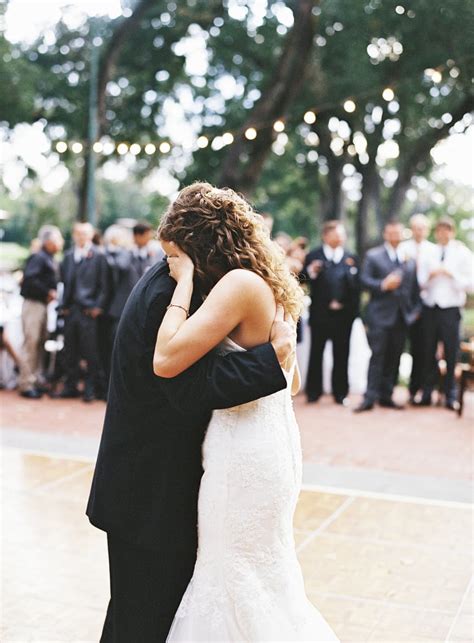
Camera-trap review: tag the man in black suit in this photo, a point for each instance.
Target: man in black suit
(85, 275)
(333, 277)
(146, 482)
(40, 279)
(394, 305)
(142, 257)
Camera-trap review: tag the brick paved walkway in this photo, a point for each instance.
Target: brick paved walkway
(381, 567)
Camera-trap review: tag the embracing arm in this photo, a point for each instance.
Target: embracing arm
(180, 341)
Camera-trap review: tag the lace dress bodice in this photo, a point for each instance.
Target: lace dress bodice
(247, 583)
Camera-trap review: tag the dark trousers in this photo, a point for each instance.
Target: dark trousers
(440, 325)
(146, 588)
(336, 327)
(386, 345)
(81, 342)
(417, 351)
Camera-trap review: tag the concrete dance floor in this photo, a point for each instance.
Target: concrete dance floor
(383, 566)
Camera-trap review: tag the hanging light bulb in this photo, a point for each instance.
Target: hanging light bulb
(309, 117)
(349, 106)
(202, 142)
(251, 133)
(165, 147)
(279, 126)
(227, 138)
(122, 148)
(97, 147)
(61, 147)
(150, 148)
(388, 94)
(135, 149)
(76, 148)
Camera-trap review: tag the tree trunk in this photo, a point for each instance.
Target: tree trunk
(280, 93)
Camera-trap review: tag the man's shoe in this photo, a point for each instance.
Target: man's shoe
(69, 393)
(452, 405)
(425, 401)
(342, 400)
(313, 398)
(31, 394)
(364, 406)
(390, 404)
(88, 396)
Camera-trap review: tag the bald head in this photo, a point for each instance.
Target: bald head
(420, 227)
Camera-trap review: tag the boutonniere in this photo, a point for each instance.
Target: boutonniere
(89, 254)
(350, 261)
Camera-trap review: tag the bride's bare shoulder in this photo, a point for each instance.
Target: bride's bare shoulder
(247, 282)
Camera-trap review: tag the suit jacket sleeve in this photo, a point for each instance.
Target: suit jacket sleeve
(33, 271)
(368, 279)
(219, 381)
(104, 282)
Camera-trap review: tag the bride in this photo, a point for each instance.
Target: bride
(247, 583)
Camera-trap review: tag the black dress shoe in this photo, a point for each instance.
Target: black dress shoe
(32, 394)
(390, 404)
(69, 393)
(452, 405)
(88, 396)
(313, 398)
(340, 399)
(364, 406)
(425, 401)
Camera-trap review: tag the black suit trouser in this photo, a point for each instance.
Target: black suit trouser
(440, 325)
(337, 328)
(81, 342)
(386, 345)
(146, 587)
(417, 351)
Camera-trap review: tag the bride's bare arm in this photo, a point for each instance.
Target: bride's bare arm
(182, 341)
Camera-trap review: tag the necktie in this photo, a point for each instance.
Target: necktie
(443, 253)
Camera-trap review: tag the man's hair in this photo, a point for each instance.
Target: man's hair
(329, 226)
(47, 232)
(392, 222)
(141, 227)
(420, 218)
(445, 222)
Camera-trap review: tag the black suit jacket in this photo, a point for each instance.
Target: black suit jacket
(320, 289)
(385, 306)
(39, 276)
(86, 284)
(148, 470)
(124, 276)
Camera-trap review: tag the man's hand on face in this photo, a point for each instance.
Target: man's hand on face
(283, 335)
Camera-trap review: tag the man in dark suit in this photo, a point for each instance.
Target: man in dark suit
(394, 305)
(85, 275)
(142, 257)
(333, 277)
(38, 288)
(146, 482)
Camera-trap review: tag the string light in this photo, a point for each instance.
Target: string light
(202, 142)
(135, 149)
(388, 94)
(309, 117)
(61, 147)
(165, 147)
(251, 133)
(279, 126)
(76, 148)
(150, 148)
(349, 106)
(122, 148)
(98, 147)
(227, 138)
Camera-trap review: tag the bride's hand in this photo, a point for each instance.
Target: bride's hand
(180, 264)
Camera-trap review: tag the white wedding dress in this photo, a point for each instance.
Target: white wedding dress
(247, 583)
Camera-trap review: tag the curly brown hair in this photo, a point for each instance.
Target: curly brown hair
(220, 231)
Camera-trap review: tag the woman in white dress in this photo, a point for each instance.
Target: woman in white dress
(247, 583)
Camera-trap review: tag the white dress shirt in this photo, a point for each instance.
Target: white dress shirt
(420, 252)
(393, 253)
(447, 291)
(81, 253)
(333, 254)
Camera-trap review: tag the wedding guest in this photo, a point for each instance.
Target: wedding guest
(84, 272)
(143, 256)
(40, 279)
(283, 240)
(333, 276)
(445, 275)
(394, 306)
(417, 248)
